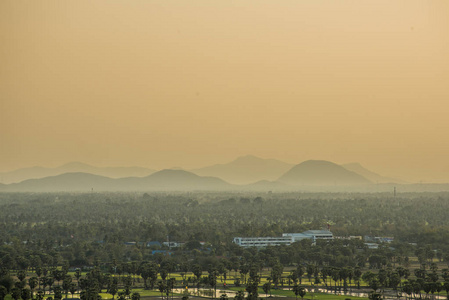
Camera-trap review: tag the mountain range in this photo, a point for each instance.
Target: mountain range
(244, 173)
(165, 180)
(73, 167)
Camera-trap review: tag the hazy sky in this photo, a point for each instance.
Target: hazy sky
(191, 83)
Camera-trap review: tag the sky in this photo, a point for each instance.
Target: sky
(187, 84)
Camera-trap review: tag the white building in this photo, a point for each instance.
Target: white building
(263, 241)
(311, 234)
(286, 238)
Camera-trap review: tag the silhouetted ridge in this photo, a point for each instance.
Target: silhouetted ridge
(173, 174)
(321, 172)
(180, 179)
(164, 180)
(63, 182)
(73, 167)
(370, 175)
(246, 169)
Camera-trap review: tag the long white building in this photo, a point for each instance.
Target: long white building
(286, 239)
(311, 234)
(263, 241)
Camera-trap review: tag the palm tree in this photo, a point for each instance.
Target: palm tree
(161, 286)
(252, 287)
(57, 293)
(171, 285)
(244, 269)
(21, 275)
(197, 272)
(25, 294)
(32, 282)
(78, 276)
(72, 289)
(394, 280)
(239, 296)
(135, 296)
(15, 293)
(113, 287)
(3, 292)
(446, 288)
(324, 273)
(58, 275)
(357, 275)
(43, 283)
(267, 288)
(445, 274)
(39, 274)
(296, 290)
(49, 280)
(212, 280)
(310, 270)
(299, 291)
(335, 277)
(407, 288)
(143, 271)
(66, 284)
(39, 295)
(184, 267)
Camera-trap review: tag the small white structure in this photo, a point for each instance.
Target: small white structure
(372, 245)
(378, 239)
(173, 244)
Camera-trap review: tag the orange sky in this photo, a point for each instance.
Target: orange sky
(191, 83)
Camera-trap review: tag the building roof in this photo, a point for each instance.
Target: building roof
(296, 235)
(316, 232)
(153, 243)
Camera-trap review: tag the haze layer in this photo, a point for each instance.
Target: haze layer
(189, 83)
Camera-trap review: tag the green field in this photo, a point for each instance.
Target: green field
(290, 294)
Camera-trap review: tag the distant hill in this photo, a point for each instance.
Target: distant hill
(73, 167)
(69, 182)
(246, 169)
(165, 180)
(321, 173)
(374, 177)
(179, 180)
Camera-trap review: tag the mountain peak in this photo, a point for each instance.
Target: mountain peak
(321, 172)
(317, 162)
(171, 172)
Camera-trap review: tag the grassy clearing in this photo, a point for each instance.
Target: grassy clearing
(142, 292)
(290, 294)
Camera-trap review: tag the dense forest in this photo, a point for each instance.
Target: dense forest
(108, 234)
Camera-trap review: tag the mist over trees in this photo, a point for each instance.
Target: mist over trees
(218, 217)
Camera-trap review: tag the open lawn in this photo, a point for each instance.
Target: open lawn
(290, 294)
(142, 292)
